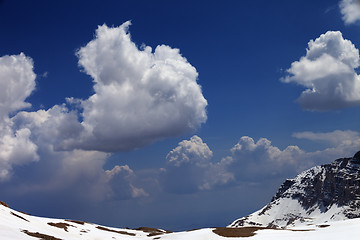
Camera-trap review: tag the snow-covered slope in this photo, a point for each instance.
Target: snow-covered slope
(321, 194)
(15, 225)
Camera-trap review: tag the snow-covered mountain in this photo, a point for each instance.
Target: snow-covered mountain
(319, 195)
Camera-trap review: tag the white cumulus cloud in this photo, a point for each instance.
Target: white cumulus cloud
(79, 172)
(350, 10)
(189, 168)
(141, 95)
(261, 160)
(250, 160)
(121, 178)
(36, 139)
(17, 81)
(327, 71)
(190, 151)
(16, 148)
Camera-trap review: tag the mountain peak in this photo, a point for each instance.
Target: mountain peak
(323, 193)
(357, 155)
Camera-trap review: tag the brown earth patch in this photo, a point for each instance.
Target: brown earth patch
(155, 234)
(61, 225)
(120, 232)
(323, 226)
(18, 216)
(249, 231)
(77, 222)
(40, 235)
(237, 232)
(147, 229)
(4, 204)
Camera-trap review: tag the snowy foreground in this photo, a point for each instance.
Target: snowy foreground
(17, 225)
(285, 212)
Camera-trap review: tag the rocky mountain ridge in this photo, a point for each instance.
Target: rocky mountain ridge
(323, 193)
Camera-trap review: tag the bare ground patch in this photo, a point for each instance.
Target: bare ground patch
(248, 231)
(40, 235)
(77, 222)
(61, 225)
(14, 214)
(237, 232)
(120, 232)
(4, 204)
(323, 226)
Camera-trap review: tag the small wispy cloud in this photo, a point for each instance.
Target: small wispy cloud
(335, 138)
(45, 74)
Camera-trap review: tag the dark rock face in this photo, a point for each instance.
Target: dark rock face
(357, 156)
(336, 183)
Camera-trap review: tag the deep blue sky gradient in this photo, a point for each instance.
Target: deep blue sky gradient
(241, 49)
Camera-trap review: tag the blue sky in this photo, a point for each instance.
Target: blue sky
(171, 114)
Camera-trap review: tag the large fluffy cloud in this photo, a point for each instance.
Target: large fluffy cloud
(77, 173)
(140, 95)
(328, 72)
(350, 10)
